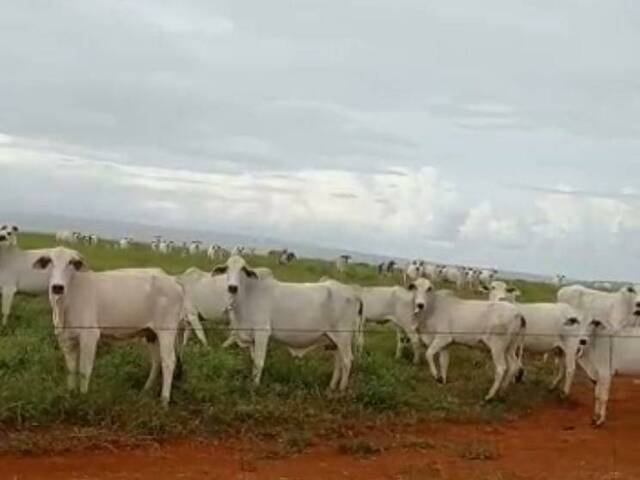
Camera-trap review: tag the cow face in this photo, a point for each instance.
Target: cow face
(62, 264)
(237, 272)
(632, 298)
(500, 292)
(422, 290)
(8, 235)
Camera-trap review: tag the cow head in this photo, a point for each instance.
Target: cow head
(500, 292)
(631, 295)
(575, 326)
(61, 264)
(8, 235)
(422, 290)
(237, 272)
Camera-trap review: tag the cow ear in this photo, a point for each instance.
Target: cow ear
(42, 263)
(219, 270)
(249, 273)
(411, 287)
(430, 288)
(630, 289)
(15, 229)
(597, 323)
(78, 264)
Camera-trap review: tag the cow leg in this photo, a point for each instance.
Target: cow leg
(166, 345)
(512, 357)
(337, 370)
(194, 323)
(444, 364)
(69, 347)
(260, 344)
(570, 370)
(399, 341)
(154, 354)
(88, 346)
(231, 339)
(500, 364)
(8, 292)
(602, 398)
(415, 346)
(346, 356)
(439, 342)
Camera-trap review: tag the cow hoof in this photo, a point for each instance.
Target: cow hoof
(597, 422)
(440, 380)
(520, 375)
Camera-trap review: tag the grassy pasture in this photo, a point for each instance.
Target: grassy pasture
(215, 396)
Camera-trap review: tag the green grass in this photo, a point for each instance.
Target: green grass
(216, 397)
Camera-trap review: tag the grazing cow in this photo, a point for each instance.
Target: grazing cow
(611, 351)
(453, 275)
(16, 274)
(551, 327)
(342, 262)
(301, 316)
(116, 304)
(397, 305)
(207, 296)
(619, 309)
(444, 319)
(216, 252)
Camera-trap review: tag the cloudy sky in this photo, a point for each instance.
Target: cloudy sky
(500, 132)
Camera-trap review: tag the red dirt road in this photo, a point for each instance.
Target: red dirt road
(554, 443)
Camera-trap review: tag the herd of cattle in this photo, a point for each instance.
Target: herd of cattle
(587, 327)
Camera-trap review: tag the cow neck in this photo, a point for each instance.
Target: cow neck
(7, 252)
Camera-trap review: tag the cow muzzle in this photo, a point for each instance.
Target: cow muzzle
(232, 289)
(57, 289)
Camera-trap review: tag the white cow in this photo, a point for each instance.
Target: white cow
(453, 275)
(125, 243)
(16, 274)
(302, 316)
(559, 280)
(67, 236)
(413, 271)
(9, 235)
(195, 247)
(611, 351)
(397, 305)
(551, 327)
(445, 319)
(486, 276)
(619, 309)
(206, 296)
(432, 272)
(342, 262)
(115, 304)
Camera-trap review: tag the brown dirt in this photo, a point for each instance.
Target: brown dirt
(556, 442)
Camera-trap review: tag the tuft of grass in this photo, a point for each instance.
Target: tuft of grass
(216, 395)
(360, 448)
(478, 450)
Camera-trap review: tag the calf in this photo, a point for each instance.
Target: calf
(115, 304)
(301, 316)
(445, 319)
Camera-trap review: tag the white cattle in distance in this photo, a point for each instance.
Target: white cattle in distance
(87, 306)
(445, 320)
(342, 262)
(301, 316)
(454, 275)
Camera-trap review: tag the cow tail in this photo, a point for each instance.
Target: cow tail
(519, 346)
(359, 337)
